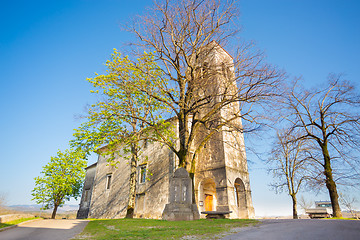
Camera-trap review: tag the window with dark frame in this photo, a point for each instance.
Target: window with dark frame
(142, 173)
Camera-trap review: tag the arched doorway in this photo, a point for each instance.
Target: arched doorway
(240, 195)
(207, 195)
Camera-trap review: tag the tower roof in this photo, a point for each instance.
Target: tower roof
(216, 44)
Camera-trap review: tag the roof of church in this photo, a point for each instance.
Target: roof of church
(92, 165)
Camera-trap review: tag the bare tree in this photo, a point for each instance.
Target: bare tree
(289, 164)
(349, 202)
(185, 35)
(2, 200)
(329, 119)
(304, 204)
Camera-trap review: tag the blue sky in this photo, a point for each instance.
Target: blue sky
(48, 48)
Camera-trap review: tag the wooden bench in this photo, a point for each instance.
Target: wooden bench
(216, 214)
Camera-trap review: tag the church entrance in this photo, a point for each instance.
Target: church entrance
(207, 195)
(208, 202)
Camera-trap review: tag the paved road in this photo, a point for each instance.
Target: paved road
(45, 230)
(309, 229)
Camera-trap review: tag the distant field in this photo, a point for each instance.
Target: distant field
(160, 229)
(67, 211)
(70, 215)
(38, 213)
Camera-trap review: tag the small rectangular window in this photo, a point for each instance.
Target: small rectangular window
(142, 173)
(86, 197)
(108, 181)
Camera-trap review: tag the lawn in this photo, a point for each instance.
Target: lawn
(7, 224)
(160, 229)
(342, 218)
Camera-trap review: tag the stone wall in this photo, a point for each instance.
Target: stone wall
(223, 159)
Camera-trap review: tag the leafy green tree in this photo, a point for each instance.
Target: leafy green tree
(125, 115)
(61, 179)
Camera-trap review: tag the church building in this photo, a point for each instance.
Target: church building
(221, 180)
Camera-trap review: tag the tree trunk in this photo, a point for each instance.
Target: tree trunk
(294, 201)
(330, 183)
(132, 192)
(331, 186)
(54, 212)
(181, 154)
(183, 123)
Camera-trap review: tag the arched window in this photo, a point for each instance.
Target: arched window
(239, 191)
(236, 196)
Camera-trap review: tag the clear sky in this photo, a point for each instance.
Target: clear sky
(48, 48)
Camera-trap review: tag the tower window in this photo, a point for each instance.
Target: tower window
(86, 197)
(142, 174)
(108, 181)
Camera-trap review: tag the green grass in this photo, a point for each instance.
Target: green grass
(159, 229)
(342, 218)
(7, 224)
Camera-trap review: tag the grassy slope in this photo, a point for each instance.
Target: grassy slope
(159, 229)
(7, 224)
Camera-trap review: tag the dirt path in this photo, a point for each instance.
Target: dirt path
(45, 230)
(309, 229)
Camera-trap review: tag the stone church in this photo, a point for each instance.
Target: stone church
(221, 180)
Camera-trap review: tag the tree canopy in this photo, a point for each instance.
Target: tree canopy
(329, 118)
(123, 111)
(290, 165)
(125, 115)
(184, 35)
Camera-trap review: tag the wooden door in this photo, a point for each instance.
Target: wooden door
(208, 202)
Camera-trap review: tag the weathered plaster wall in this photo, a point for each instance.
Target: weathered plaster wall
(153, 194)
(83, 211)
(112, 202)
